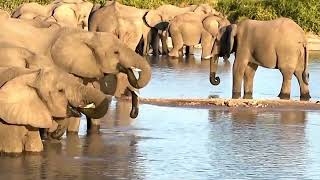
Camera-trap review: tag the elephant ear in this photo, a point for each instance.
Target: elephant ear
(152, 18)
(9, 73)
(227, 37)
(65, 15)
(211, 25)
(21, 105)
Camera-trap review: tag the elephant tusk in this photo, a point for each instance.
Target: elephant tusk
(134, 69)
(91, 105)
(136, 92)
(136, 72)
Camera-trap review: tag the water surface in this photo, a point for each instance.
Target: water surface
(187, 143)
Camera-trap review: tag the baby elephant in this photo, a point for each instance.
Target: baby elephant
(277, 44)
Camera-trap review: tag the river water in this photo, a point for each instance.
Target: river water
(187, 143)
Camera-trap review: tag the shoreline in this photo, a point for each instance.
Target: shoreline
(253, 104)
(313, 42)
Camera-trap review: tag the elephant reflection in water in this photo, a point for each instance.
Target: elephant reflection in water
(275, 138)
(183, 63)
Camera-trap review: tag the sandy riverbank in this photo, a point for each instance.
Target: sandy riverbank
(234, 103)
(313, 42)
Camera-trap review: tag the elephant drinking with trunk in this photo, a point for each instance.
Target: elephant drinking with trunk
(89, 55)
(278, 44)
(33, 99)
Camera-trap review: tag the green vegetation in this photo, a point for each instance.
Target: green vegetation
(305, 12)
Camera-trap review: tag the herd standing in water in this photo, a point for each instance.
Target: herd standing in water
(71, 56)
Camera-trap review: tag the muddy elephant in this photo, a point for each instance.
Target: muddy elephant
(160, 17)
(126, 22)
(33, 99)
(84, 54)
(277, 44)
(73, 13)
(192, 28)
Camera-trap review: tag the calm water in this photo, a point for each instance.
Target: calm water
(187, 143)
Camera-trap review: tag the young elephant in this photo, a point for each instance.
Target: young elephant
(33, 99)
(278, 44)
(193, 28)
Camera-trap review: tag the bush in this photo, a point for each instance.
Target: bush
(305, 12)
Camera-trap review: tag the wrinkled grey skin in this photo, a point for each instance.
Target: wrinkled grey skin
(125, 22)
(32, 99)
(73, 13)
(85, 54)
(160, 17)
(192, 28)
(277, 44)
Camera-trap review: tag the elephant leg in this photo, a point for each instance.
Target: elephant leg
(207, 44)
(73, 125)
(286, 83)
(12, 138)
(33, 141)
(93, 126)
(155, 42)
(163, 38)
(189, 50)
(177, 43)
(239, 67)
(248, 80)
(304, 89)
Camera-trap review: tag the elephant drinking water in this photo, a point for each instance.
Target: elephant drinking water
(278, 44)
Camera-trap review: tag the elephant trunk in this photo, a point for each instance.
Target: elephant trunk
(133, 62)
(214, 80)
(100, 103)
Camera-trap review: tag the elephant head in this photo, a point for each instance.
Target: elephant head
(96, 54)
(36, 97)
(73, 13)
(224, 45)
(159, 18)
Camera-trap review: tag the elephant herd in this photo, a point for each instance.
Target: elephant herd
(71, 57)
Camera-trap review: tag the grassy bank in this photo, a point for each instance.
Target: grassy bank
(305, 12)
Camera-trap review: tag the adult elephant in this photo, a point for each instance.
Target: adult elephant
(33, 99)
(73, 13)
(125, 22)
(192, 28)
(278, 44)
(160, 17)
(89, 55)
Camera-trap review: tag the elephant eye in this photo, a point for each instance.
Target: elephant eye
(61, 90)
(116, 52)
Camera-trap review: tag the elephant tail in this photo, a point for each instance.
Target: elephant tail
(305, 74)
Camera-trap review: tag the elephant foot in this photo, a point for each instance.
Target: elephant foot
(206, 57)
(134, 112)
(236, 95)
(72, 133)
(305, 97)
(173, 55)
(94, 129)
(247, 95)
(284, 96)
(58, 133)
